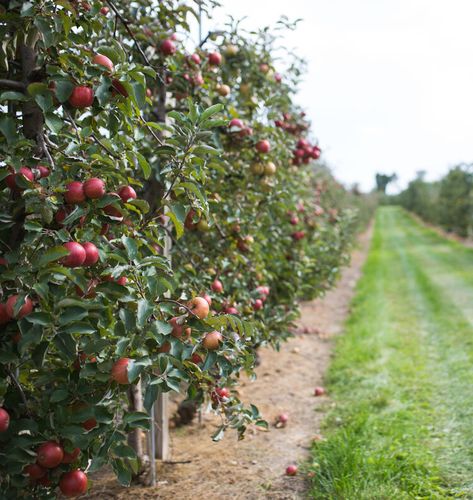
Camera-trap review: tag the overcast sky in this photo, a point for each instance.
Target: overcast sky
(389, 86)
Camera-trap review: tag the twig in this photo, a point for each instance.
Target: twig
(20, 389)
(130, 32)
(73, 123)
(12, 85)
(153, 133)
(179, 169)
(100, 143)
(219, 229)
(44, 148)
(177, 304)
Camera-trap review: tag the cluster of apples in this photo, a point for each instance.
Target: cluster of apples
(28, 174)
(82, 96)
(305, 152)
(51, 455)
(168, 47)
(94, 189)
(292, 124)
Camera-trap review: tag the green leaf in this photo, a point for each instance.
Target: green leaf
(130, 247)
(122, 450)
(121, 471)
(145, 309)
(66, 345)
(53, 254)
(177, 214)
(53, 122)
(111, 53)
(63, 90)
(151, 393)
(8, 129)
(39, 318)
(216, 108)
(59, 395)
(37, 88)
(140, 94)
(143, 163)
(46, 30)
(13, 96)
(72, 314)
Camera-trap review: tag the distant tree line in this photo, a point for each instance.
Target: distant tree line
(447, 202)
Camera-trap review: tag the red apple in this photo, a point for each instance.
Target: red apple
(264, 68)
(81, 97)
(123, 280)
(149, 93)
(222, 392)
(291, 470)
(298, 235)
(25, 309)
(4, 316)
(104, 11)
(263, 146)
(77, 254)
(127, 193)
(215, 59)
(212, 340)
(4, 420)
(283, 418)
(178, 330)
(231, 310)
(217, 286)
(91, 254)
(11, 178)
(236, 122)
(294, 220)
(316, 151)
(71, 457)
(257, 304)
(195, 58)
(89, 424)
(319, 391)
(73, 483)
(199, 306)
(102, 60)
(120, 371)
(167, 47)
(119, 88)
(74, 193)
(208, 298)
(35, 471)
(49, 454)
(43, 171)
(277, 77)
(94, 188)
(196, 358)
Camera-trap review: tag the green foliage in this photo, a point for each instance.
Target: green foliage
(447, 203)
(201, 213)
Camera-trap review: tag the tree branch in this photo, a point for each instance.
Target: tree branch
(177, 304)
(20, 389)
(12, 85)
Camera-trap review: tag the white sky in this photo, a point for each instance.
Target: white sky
(389, 86)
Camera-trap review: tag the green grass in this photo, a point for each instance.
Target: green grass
(402, 375)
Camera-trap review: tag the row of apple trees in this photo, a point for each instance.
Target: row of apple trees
(161, 217)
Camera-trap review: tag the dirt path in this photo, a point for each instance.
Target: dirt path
(254, 468)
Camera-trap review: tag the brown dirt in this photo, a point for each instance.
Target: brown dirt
(254, 468)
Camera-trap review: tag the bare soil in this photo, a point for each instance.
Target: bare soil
(255, 467)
